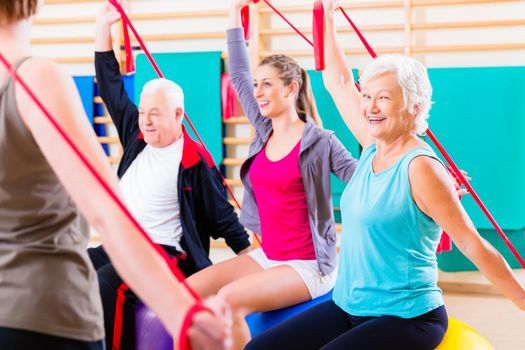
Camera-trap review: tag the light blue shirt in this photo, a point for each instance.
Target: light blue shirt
(388, 263)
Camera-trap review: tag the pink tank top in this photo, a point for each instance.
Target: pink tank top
(283, 210)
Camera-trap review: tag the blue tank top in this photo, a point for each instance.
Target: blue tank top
(387, 264)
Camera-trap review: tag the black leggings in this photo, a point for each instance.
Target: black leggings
(16, 339)
(327, 327)
(110, 285)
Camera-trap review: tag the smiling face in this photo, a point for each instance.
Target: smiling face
(272, 95)
(160, 120)
(383, 106)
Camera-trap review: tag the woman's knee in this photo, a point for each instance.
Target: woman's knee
(236, 299)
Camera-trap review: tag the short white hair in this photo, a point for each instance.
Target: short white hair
(413, 79)
(170, 88)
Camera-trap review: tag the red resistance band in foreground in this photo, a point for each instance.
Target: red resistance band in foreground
(184, 342)
(456, 172)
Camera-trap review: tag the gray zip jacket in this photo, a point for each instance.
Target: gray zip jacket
(321, 153)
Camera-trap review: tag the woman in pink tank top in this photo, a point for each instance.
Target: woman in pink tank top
(287, 195)
(283, 210)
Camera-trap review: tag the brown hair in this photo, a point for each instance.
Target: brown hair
(289, 70)
(15, 10)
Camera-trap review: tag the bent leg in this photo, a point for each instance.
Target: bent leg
(271, 289)
(119, 321)
(210, 280)
(389, 332)
(310, 329)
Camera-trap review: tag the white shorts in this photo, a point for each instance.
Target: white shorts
(316, 283)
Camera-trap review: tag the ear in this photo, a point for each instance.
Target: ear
(417, 108)
(179, 113)
(293, 88)
(412, 115)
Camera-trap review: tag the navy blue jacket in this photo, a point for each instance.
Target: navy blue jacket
(204, 208)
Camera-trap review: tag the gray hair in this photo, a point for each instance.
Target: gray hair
(170, 88)
(413, 79)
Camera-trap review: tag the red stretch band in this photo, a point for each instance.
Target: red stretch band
(474, 195)
(318, 31)
(184, 342)
(360, 35)
(289, 23)
(119, 316)
(245, 20)
(130, 62)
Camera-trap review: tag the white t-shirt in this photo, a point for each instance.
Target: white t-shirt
(150, 192)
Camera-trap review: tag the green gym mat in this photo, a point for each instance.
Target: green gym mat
(332, 120)
(479, 117)
(199, 75)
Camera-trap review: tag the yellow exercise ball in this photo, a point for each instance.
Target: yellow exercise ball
(460, 336)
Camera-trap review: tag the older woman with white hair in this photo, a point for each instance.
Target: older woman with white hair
(386, 293)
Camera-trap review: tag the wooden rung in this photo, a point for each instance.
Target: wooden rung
(48, 2)
(236, 140)
(63, 20)
(463, 48)
(102, 120)
(133, 17)
(73, 60)
(63, 40)
(308, 31)
(108, 140)
(114, 160)
(310, 52)
(98, 99)
(234, 182)
(178, 14)
(236, 120)
(183, 36)
(453, 2)
(471, 24)
(218, 244)
(355, 5)
(232, 161)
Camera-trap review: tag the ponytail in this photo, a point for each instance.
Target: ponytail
(305, 103)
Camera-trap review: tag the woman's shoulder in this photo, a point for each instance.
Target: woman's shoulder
(49, 82)
(36, 69)
(315, 131)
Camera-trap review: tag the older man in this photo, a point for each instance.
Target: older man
(167, 179)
